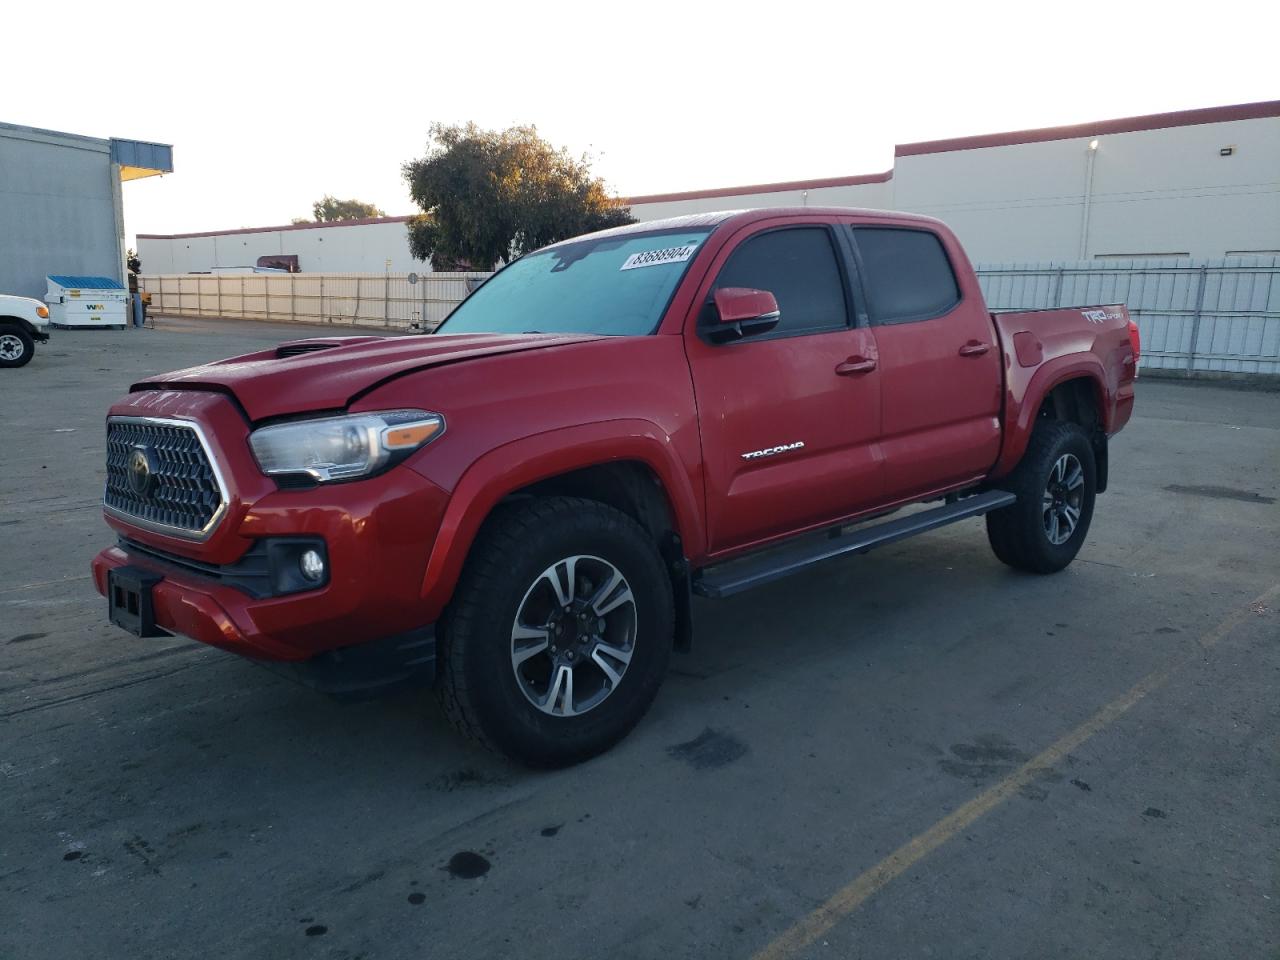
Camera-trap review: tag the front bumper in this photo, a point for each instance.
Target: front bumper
(377, 534)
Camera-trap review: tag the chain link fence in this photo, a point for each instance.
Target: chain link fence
(397, 301)
(1196, 316)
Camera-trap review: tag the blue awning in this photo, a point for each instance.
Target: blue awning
(138, 158)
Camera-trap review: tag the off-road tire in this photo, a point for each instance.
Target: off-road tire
(1017, 533)
(477, 687)
(28, 347)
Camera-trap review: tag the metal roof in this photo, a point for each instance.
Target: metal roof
(739, 217)
(310, 225)
(86, 283)
(688, 221)
(21, 131)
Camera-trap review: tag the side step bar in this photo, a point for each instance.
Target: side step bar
(735, 576)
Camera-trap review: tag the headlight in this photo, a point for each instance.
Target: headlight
(343, 448)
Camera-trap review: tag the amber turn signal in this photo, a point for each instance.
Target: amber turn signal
(410, 435)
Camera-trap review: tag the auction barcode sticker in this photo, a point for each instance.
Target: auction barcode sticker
(653, 258)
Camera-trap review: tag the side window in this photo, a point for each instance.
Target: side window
(906, 274)
(798, 266)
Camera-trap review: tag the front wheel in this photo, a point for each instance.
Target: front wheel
(1055, 486)
(559, 633)
(16, 347)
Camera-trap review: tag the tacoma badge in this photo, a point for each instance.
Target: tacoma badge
(772, 451)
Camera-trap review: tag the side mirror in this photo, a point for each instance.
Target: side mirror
(743, 312)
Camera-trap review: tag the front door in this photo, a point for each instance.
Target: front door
(789, 418)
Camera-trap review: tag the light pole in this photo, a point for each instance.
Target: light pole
(1088, 199)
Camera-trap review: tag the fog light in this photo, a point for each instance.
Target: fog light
(312, 565)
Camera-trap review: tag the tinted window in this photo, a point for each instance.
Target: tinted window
(798, 266)
(613, 285)
(906, 274)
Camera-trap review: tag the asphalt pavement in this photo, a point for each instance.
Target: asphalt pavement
(917, 753)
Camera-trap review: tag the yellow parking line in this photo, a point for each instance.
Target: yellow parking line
(850, 897)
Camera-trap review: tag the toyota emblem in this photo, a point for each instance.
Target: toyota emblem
(141, 472)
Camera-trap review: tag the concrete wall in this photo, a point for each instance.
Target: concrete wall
(59, 212)
(1154, 192)
(335, 248)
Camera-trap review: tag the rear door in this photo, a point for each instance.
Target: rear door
(790, 418)
(940, 376)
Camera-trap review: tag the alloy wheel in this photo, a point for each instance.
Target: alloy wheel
(574, 635)
(1063, 499)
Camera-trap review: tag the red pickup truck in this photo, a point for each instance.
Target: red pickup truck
(519, 507)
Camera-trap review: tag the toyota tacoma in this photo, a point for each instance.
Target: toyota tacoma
(518, 508)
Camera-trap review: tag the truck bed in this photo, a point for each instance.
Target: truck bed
(1047, 347)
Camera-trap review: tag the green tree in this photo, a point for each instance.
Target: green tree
(491, 195)
(330, 209)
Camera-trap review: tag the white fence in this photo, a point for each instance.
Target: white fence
(380, 300)
(1212, 316)
(1196, 316)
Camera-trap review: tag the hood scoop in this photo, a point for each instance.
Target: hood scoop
(301, 347)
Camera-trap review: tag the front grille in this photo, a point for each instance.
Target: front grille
(175, 490)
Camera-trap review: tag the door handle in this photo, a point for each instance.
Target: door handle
(854, 366)
(974, 348)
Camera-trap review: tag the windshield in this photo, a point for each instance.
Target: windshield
(613, 286)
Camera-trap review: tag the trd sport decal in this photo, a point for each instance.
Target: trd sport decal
(772, 451)
(1100, 316)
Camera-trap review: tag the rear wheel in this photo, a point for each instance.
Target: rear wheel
(16, 347)
(1055, 484)
(559, 633)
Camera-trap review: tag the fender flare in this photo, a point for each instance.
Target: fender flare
(25, 325)
(542, 456)
(1020, 412)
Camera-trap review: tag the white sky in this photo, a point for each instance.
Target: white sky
(269, 105)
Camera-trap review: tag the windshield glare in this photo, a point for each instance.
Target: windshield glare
(612, 286)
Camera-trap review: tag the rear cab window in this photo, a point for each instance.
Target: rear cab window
(905, 273)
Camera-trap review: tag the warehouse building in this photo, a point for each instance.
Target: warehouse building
(1196, 183)
(374, 245)
(61, 209)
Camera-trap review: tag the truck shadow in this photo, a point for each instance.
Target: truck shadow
(229, 722)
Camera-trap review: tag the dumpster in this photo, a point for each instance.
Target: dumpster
(86, 302)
